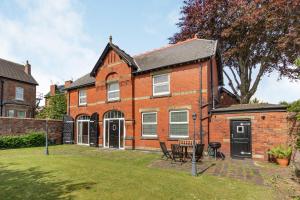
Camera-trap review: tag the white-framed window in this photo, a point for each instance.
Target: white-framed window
(19, 93)
(161, 84)
(21, 114)
(149, 124)
(179, 123)
(11, 113)
(82, 97)
(113, 91)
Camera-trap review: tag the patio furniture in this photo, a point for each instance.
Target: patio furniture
(177, 152)
(213, 149)
(165, 151)
(198, 152)
(185, 145)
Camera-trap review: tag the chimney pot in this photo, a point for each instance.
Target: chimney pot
(27, 68)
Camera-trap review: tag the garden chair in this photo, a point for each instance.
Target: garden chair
(177, 153)
(165, 151)
(198, 152)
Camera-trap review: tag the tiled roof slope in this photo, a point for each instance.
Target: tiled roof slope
(250, 107)
(181, 52)
(15, 71)
(85, 80)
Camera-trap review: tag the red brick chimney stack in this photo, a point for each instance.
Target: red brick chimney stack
(27, 68)
(53, 89)
(68, 83)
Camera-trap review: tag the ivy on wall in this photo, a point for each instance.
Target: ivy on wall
(56, 108)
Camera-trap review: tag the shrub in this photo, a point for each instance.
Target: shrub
(33, 139)
(281, 152)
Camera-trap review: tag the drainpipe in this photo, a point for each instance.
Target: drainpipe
(212, 84)
(68, 103)
(1, 99)
(200, 104)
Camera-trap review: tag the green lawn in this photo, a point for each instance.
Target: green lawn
(76, 172)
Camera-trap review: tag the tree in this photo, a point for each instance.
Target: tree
(56, 109)
(255, 38)
(256, 101)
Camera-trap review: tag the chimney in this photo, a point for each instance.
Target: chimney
(53, 90)
(68, 83)
(110, 39)
(27, 68)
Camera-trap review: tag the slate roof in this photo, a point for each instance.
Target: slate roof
(15, 71)
(85, 80)
(181, 52)
(250, 107)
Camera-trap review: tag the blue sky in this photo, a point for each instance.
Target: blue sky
(63, 39)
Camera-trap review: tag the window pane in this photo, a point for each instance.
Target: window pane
(82, 100)
(161, 89)
(19, 93)
(149, 129)
(179, 129)
(149, 117)
(113, 95)
(82, 93)
(160, 79)
(113, 86)
(21, 114)
(10, 113)
(179, 116)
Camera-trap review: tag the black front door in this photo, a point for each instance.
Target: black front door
(240, 138)
(114, 133)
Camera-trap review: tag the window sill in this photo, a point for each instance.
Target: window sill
(82, 105)
(177, 138)
(149, 138)
(19, 99)
(160, 96)
(113, 101)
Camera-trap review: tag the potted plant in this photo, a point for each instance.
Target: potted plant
(282, 154)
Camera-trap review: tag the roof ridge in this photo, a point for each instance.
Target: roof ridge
(169, 45)
(12, 62)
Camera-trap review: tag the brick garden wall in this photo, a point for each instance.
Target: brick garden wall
(268, 129)
(17, 126)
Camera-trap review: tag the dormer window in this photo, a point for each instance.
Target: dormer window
(113, 91)
(82, 97)
(161, 85)
(20, 93)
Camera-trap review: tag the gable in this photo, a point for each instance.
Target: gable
(110, 53)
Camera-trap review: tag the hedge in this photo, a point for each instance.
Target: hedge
(33, 139)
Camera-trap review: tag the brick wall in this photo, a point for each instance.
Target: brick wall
(9, 97)
(268, 129)
(17, 126)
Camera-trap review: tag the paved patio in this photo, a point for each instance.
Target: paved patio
(261, 173)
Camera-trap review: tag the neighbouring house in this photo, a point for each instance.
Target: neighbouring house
(17, 90)
(56, 90)
(133, 102)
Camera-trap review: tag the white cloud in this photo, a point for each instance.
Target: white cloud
(52, 37)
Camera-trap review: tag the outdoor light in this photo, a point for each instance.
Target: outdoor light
(194, 116)
(194, 168)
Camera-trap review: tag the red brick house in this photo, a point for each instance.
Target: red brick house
(17, 90)
(143, 99)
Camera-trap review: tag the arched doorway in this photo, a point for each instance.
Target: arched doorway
(83, 126)
(114, 129)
